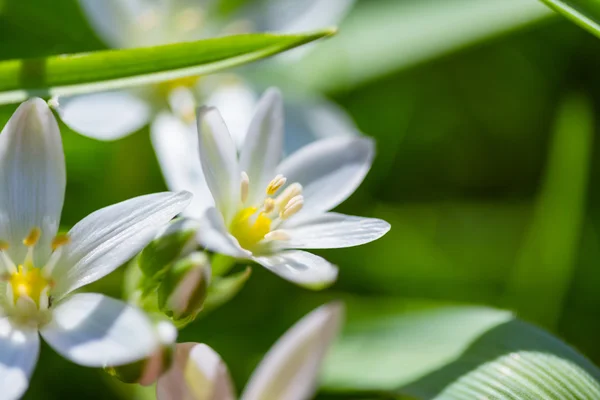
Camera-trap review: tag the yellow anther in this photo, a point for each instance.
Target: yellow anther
(33, 237)
(276, 184)
(292, 207)
(290, 192)
(244, 186)
(60, 240)
(3, 245)
(277, 235)
(269, 205)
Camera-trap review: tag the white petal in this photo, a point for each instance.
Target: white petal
(290, 368)
(93, 330)
(332, 230)
(300, 267)
(263, 146)
(107, 238)
(19, 349)
(105, 116)
(198, 373)
(213, 235)
(176, 146)
(235, 100)
(303, 16)
(32, 177)
(310, 118)
(218, 157)
(123, 23)
(329, 170)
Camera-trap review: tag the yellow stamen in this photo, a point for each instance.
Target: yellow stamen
(269, 205)
(249, 230)
(33, 237)
(28, 282)
(292, 207)
(276, 184)
(60, 240)
(290, 192)
(244, 186)
(277, 235)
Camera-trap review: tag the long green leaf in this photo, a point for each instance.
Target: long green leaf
(454, 352)
(110, 69)
(585, 13)
(547, 260)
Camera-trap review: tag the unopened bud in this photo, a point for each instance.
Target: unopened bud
(184, 287)
(169, 245)
(147, 371)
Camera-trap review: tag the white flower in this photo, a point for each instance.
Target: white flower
(288, 371)
(41, 269)
(133, 23)
(258, 207)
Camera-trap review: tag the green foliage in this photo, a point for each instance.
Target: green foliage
(585, 13)
(112, 69)
(455, 352)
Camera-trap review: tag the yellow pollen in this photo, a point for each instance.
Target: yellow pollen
(60, 240)
(276, 184)
(33, 237)
(250, 230)
(269, 205)
(28, 282)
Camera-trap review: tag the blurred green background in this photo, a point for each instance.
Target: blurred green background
(487, 158)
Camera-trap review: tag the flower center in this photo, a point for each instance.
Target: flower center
(256, 224)
(27, 286)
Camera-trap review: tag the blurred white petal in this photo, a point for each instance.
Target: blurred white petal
(332, 230)
(303, 16)
(127, 23)
(300, 267)
(93, 330)
(32, 178)
(235, 100)
(310, 118)
(263, 146)
(329, 170)
(176, 146)
(19, 350)
(291, 367)
(106, 115)
(109, 237)
(198, 373)
(218, 156)
(213, 234)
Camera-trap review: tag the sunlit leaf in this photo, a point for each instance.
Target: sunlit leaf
(380, 37)
(585, 13)
(110, 69)
(547, 260)
(455, 352)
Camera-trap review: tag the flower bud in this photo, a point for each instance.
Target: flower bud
(183, 289)
(169, 245)
(147, 371)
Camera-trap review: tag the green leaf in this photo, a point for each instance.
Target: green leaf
(381, 37)
(548, 257)
(111, 69)
(454, 352)
(585, 13)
